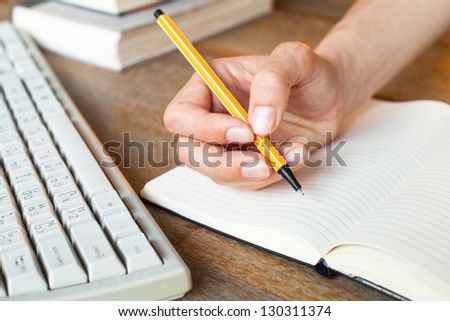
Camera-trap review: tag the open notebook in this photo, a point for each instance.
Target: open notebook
(384, 218)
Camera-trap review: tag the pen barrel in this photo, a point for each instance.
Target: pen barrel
(202, 68)
(270, 152)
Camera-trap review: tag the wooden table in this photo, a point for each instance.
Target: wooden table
(134, 101)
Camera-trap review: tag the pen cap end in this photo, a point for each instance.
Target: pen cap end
(157, 13)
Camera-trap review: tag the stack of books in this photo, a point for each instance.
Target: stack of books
(116, 34)
(116, 7)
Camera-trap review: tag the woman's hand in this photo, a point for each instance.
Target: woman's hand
(293, 95)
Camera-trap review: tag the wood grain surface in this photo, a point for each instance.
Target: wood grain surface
(133, 102)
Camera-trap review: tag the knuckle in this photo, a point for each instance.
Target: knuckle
(273, 73)
(297, 55)
(296, 50)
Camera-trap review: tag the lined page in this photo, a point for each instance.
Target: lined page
(387, 143)
(414, 223)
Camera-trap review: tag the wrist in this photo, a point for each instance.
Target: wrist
(351, 88)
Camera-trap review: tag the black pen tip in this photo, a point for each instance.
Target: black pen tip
(287, 174)
(301, 191)
(157, 13)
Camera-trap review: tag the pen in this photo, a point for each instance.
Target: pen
(224, 95)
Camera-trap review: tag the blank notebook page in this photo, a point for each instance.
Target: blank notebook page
(414, 223)
(387, 145)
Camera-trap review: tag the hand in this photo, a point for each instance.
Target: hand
(293, 94)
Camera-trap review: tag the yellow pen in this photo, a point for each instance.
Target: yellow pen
(223, 94)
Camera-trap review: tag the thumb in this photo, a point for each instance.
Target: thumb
(271, 86)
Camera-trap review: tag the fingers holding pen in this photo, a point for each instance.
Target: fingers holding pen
(190, 113)
(240, 167)
(227, 167)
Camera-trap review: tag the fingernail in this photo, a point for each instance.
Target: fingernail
(294, 157)
(255, 170)
(239, 135)
(263, 120)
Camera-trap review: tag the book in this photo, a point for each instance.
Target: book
(381, 216)
(119, 42)
(112, 6)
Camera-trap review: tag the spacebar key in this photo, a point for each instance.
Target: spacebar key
(85, 168)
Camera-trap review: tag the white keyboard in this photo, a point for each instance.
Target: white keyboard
(69, 229)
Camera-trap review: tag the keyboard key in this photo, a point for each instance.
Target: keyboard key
(67, 198)
(44, 153)
(17, 54)
(96, 253)
(27, 119)
(23, 64)
(16, 50)
(17, 162)
(4, 111)
(22, 107)
(50, 108)
(42, 94)
(76, 215)
(10, 150)
(6, 124)
(30, 193)
(137, 253)
(22, 272)
(106, 204)
(45, 229)
(59, 181)
(119, 225)
(61, 266)
(5, 66)
(8, 34)
(33, 130)
(79, 158)
(35, 82)
(37, 212)
(9, 219)
(6, 198)
(12, 239)
(23, 177)
(11, 85)
(38, 141)
(10, 136)
(52, 166)
(3, 107)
